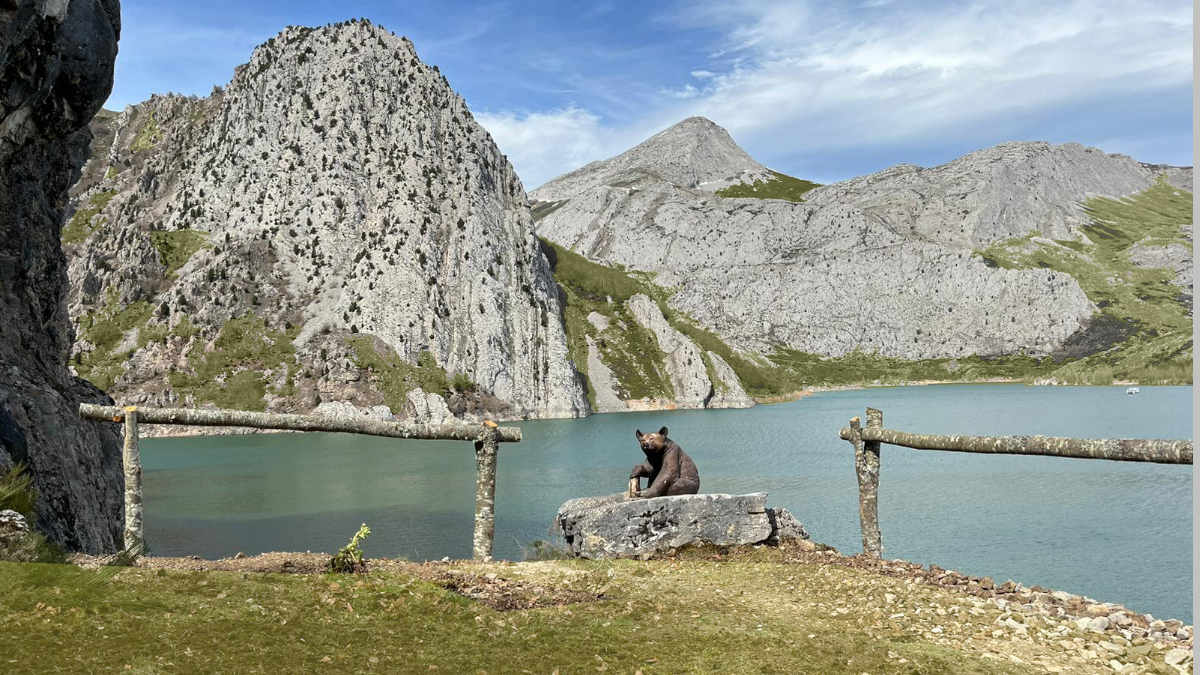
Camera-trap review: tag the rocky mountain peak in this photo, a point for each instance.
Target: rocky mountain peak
(333, 225)
(694, 153)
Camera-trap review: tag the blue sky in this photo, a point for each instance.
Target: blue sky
(819, 90)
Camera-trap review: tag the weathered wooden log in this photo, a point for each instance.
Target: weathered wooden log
(1126, 450)
(263, 420)
(866, 465)
(485, 492)
(132, 458)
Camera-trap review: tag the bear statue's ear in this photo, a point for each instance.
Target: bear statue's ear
(637, 433)
(662, 431)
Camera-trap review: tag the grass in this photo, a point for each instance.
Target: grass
(235, 373)
(630, 351)
(105, 329)
(80, 227)
(177, 246)
(636, 361)
(18, 494)
(148, 136)
(780, 186)
(654, 616)
(543, 209)
(396, 377)
(1143, 298)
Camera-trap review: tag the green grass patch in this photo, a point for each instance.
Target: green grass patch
(18, 494)
(105, 329)
(396, 377)
(234, 374)
(148, 136)
(111, 173)
(80, 227)
(1126, 293)
(630, 351)
(780, 186)
(543, 209)
(653, 616)
(176, 247)
(16, 491)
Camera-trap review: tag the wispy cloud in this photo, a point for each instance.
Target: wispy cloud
(793, 79)
(541, 144)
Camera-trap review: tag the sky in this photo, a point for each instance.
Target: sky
(819, 90)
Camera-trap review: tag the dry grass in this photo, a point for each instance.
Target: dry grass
(755, 611)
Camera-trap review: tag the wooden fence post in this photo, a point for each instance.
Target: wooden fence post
(866, 466)
(132, 461)
(485, 492)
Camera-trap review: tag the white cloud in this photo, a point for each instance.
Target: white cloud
(849, 79)
(807, 78)
(542, 145)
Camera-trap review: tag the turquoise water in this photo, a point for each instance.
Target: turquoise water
(1115, 531)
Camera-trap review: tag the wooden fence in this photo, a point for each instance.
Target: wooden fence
(866, 442)
(486, 437)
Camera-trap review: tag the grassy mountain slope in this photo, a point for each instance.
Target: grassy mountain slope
(781, 186)
(1149, 318)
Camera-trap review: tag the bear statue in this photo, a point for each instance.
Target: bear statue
(668, 469)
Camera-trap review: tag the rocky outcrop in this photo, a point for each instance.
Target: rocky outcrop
(347, 409)
(618, 527)
(727, 389)
(694, 153)
(332, 225)
(700, 379)
(684, 364)
(57, 63)
(884, 264)
(426, 408)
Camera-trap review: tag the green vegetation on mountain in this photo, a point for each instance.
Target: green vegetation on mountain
(148, 136)
(235, 374)
(175, 247)
(105, 329)
(1151, 310)
(80, 226)
(396, 377)
(1143, 333)
(780, 186)
(630, 351)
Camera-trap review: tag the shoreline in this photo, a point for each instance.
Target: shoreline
(185, 431)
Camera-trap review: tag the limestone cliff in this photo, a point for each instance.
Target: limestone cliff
(57, 63)
(333, 225)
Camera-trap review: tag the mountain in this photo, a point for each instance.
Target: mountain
(333, 226)
(695, 153)
(1022, 251)
(58, 66)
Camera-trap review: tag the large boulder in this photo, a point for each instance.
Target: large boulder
(616, 526)
(56, 63)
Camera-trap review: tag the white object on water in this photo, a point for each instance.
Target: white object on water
(1133, 390)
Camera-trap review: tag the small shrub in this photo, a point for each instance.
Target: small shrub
(16, 491)
(350, 558)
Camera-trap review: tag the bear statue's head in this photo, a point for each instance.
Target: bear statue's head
(652, 443)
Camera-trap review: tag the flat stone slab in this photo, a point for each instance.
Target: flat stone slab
(616, 526)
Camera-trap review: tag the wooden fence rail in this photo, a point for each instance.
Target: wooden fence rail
(866, 443)
(486, 437)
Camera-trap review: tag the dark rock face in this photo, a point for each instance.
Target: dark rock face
(56, 65)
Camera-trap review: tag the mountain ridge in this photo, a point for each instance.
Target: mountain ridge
(901, 246)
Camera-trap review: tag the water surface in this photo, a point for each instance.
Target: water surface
(1115, 531)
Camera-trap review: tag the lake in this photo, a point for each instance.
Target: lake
(1115, 531)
